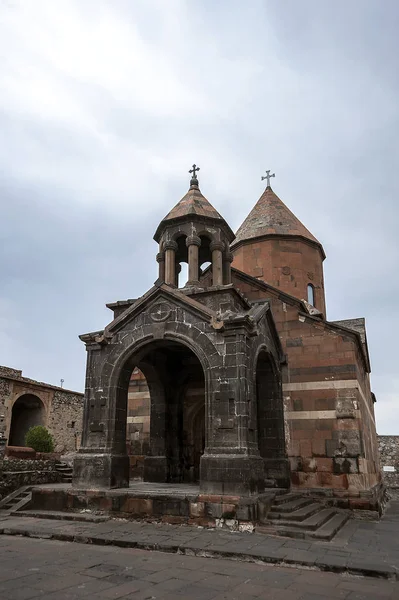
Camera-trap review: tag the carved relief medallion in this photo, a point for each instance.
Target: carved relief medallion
(160, 312)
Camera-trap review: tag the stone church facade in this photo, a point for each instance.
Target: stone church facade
(236, 380)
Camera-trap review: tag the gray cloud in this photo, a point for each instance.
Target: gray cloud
(104, 106)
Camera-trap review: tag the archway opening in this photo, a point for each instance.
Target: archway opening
(161, 405)
(27, 412)
(181, 261)
(270, 410)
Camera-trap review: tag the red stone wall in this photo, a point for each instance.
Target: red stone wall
(330, 431)
(287, 264)
(138, 422)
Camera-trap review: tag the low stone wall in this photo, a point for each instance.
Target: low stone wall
(389, 458)
(15, 473)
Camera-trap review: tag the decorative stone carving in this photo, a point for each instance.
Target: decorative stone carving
(160, 312)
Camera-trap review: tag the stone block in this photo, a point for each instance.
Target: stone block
(305, 448)
(197, 509)
(229, 511)
(137, 506)
(96, 471)
(345, 408)
(324, 465)
(345, 465)
(20, 452)
(309, 465)
(318, 447)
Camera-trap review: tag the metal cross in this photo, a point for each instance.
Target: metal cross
(193, 171)
(268, 177)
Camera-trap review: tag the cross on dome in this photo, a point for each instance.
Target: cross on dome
(194, 180)
(268, 177)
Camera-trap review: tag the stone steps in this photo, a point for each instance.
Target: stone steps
(299, 516)
(292, 505)
(287, 497)
(65, 471)
(18, 499)
(312, 523)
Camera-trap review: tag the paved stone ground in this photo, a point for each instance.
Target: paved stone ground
(54, 570)
(362, 548)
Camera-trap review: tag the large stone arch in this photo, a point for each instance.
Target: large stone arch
(28, 410)
(109, 368)
(166, 401)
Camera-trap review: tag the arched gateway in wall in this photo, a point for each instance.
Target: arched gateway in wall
(205, 336)
(27, 411)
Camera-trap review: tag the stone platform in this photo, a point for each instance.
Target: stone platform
(171, 503)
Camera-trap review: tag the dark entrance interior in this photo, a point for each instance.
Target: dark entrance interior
(27, 412)
(270, 420)
(176, 385)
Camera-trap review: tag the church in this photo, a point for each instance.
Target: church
(234, 381)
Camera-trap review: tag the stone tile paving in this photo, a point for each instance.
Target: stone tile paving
(367, 548)
(55, 570)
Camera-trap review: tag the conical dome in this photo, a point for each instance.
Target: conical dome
(192, 204)
(274, 246)
(270, 216)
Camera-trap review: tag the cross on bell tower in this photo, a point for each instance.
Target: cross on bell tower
(194, 180)
(268, 177)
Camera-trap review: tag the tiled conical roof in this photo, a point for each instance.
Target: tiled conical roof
(270, 216)
(193, 203)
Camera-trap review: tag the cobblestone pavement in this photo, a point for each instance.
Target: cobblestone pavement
(361, 547)
(54, 570)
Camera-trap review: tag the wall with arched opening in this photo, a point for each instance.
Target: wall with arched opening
(27, 411)
(174, 390)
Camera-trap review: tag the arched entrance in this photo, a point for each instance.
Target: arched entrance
(270, 420)
(27, 411)
(176, 420)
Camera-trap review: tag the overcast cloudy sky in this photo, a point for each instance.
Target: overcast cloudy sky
(105, 104)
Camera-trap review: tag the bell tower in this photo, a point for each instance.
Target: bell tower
(274, 246)
(194, 232)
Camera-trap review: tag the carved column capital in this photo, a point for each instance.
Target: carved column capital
(216, 245)
(170, 245)
(193, 240)
(160, 257)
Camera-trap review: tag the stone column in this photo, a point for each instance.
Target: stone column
(177, 273)
(217, 262)
(161, 262)
(170, 262)
(227, 260)
(193, 243)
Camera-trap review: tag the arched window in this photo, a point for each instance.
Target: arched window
(311, 298)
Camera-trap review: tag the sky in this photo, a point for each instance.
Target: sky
(106, 104)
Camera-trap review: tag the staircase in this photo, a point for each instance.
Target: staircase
(16, 501)
(65, 471)
(299, 516)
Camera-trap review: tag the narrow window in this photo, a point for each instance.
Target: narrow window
(311, 294)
